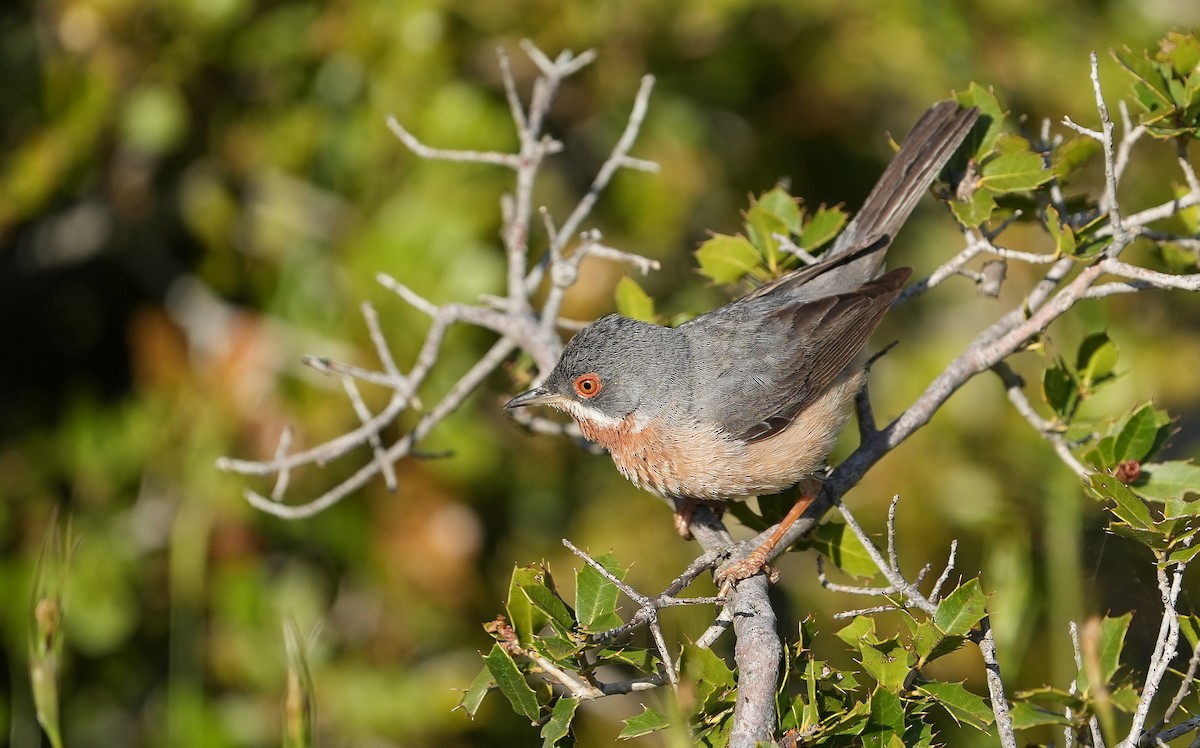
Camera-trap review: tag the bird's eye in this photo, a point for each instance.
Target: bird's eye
(588, 385)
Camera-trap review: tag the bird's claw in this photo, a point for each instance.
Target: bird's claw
(745, 568)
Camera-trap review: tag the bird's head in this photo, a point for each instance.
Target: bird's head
(609, 369)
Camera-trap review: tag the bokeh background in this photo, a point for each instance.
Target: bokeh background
(194, 193)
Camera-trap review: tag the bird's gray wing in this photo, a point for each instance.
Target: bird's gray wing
(761, 361)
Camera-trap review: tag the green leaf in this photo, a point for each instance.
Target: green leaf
(961, 610)
(1051, 695)
(839, 544)
(512, 683)
(713, 678)
(1150, 75)
(761, 227)
(725, 259)
(1128, 508)
(930, 643)
(785, 208)
(1171, 480)
(821, 228)
(919, 735)
(976, 211)
(547, 601)
(1061, 232)
(526, 619)
(1181, 51)
(596, 597)
(475, 692)
(1072, 155)
(557, 648)
(1026, 715)
(633, 301)
(1101, 456)
(559, 724)
(1126, 698)
(886, 723)
(1183, 554)
(643, 724)
(1141, 434)
(1153, 539)
(991, 116)
(1015, 168)
(1096, 359)
(861, 629)
(1061, 391)
(642, 659)
(961, 704)
(1099, 669)
(887, 662)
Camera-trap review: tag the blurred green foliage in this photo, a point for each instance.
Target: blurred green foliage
(152, 150)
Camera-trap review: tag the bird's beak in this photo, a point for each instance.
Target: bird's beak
(536, 396)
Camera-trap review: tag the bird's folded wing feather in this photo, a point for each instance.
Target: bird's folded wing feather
(759, 375)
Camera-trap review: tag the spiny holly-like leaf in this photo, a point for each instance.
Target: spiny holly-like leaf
(725, 259)
(976, 211)
(961, 704)
(526, 619)
(642, 659)
(1181, 51)
(512, 683)
(1015, 168)
(1102, 456)
(557, 648)
(1026, 715)
(840, 545)
(1050, 695)
(1189, 626)
(1149, 74)
(887, 662)
(991, 115)
(559, 724)
(1145, 430)
(633, 301)
(930, 643)
(1072, 155)
(1096, 359)
(961, 610)
(713, 678)
(762, 225)
(475, 692)
(596, 597)
(547, 601)
(1102, 647)
(861, 629)
(1063, 234)
(1127, 507)
(886, 724)
(1171, 480)
(643, 724)
(785, 208)
(821, 227)
(1060, 390)
(1183, 554)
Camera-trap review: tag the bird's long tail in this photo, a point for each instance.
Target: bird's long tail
(930, 144)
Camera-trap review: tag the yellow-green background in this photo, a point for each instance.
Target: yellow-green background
(244, 145)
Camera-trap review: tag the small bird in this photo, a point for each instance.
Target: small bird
(749, 399)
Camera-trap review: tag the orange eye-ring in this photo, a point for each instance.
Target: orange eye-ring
(588, 385)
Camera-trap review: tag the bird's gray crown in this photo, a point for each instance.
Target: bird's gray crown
(629, 356)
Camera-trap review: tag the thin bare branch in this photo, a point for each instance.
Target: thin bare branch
(442, 154)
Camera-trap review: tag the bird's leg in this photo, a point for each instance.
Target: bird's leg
(685, 508)
(757, 560)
